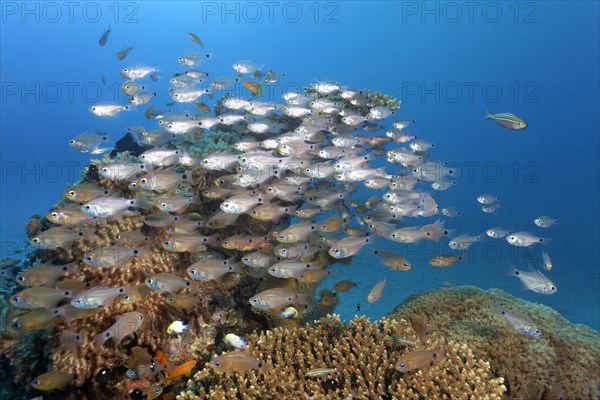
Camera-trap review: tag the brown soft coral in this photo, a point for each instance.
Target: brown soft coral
(565, 355)
(364, 362)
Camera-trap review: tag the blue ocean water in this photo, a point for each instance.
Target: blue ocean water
(447, 62)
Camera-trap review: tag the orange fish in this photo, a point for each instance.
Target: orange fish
(160, 357)
(254, 88)
(184, 369)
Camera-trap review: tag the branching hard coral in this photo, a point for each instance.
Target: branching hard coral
(360, 362)
(564, 355)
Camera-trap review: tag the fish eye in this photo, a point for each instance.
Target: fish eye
(216, 363)
(401, 366)
(35, 382)
(36, 240)
(77, 301)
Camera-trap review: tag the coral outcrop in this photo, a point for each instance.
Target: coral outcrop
(563, 359)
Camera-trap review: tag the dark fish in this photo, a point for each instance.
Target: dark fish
(104, 376)
(104, 37)
(123, 53)
(329, 384)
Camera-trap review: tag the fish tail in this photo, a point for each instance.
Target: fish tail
(488, 114)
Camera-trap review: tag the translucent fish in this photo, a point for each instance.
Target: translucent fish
(194, 38)
(393, 260)
(130, 88)
(121, 170)
(45, 274)
(193, 59)
(524, 239)
(216, 269)
(96, 297)
(68, 217)
(463, 242)
(320, 372)
(125, 325)
(135, 294)
(71, 313)
(534, 280)
(289, 269)
(123, 53)
(418, 359)
(90, 143)
(40, 318)
(546, 261)
(113, 256)
(312, 276)
(166, 282)
(444, 260)
(237, 361)
(107, 110)
(418, 324)
(497, 232)
(70, 341)
(85, 192)
(270, 212)
(520, 323)
(52, 380)
(344, 286)
(162, 181)
(137, 71)
(104, 38)
(348, 246)
(245, 67)
(277, 298)
(55, 238)
(376, 292)
(182, 301)
(182, 243)
(545, 221)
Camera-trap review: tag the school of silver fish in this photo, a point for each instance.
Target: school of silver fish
(300, 163)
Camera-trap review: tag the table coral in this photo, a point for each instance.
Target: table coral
(364, 366)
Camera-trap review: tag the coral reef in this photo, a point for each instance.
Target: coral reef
(564, 356)
(363, 357)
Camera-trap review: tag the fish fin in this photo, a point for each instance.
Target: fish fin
(488, 115)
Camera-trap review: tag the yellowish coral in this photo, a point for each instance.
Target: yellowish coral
(364, 362)
(564, 356)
